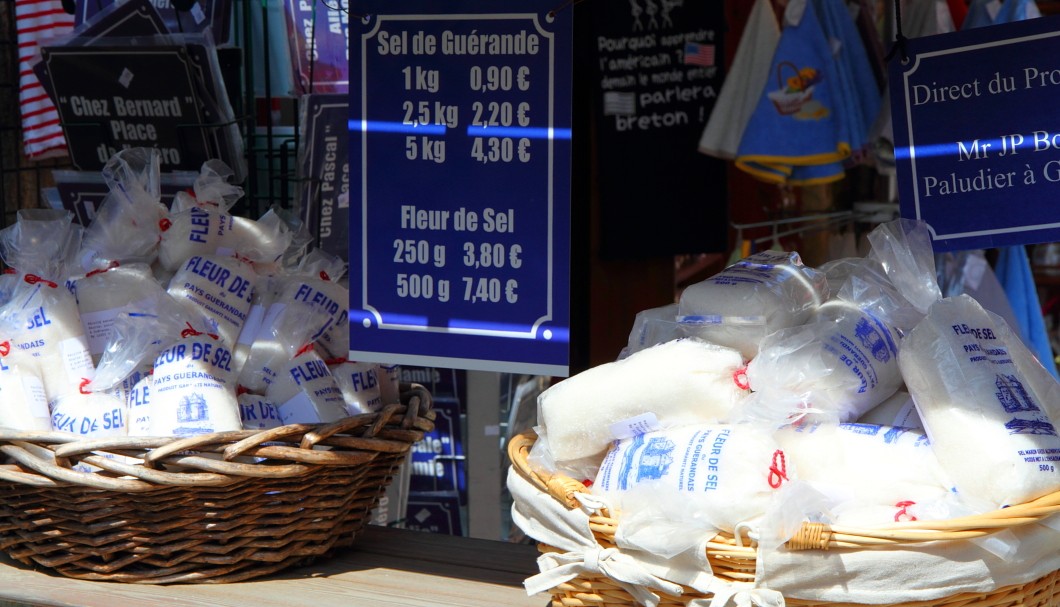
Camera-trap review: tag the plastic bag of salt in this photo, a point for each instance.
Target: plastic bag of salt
(360, 385)
(750, 299)
(987, 426)
(866, 468)
(257, 413)
(104, 293)
(204, 227)
(219, 287)
(304, 391)
(286, 331)
(709, 476)
(839, 365)
(128, 224)
(307, 303)
(193, 389)
(41, 308)
(24, 405)
(678, 382)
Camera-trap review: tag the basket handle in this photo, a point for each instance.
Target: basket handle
(780, 77)
(560, 487)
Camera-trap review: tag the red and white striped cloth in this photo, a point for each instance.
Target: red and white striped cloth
(37, 21)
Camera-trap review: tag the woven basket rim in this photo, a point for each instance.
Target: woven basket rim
(139, 463)
(811, 536)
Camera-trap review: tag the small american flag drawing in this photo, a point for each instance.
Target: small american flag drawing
(619, 104)
(699, 54)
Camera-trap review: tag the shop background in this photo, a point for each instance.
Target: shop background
(608, 289)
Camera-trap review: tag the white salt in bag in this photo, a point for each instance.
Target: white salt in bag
(257, 413)
(678, 382)
(750, 299)
(302, 311)
(866, 467)
(138, 337)
(127, 225)
(833, 369)
(193, 390)
(390, 384)
(360, 386)
(139, 402)
(103, 294)
(304, 392)
(987, 427)
(219, 287)
(49, 329)
(898, 410)
(206, 231)
(89, 414)
(23, 403)
(709, 476)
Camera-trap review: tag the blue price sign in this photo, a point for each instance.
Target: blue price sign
(977, 134)
(460, 194)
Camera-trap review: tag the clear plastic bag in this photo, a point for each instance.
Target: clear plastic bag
(305, 392)
(127, 225)
(750, 299)
(866, 471)
(678, 382)
(710, 476)
(988, 427)
(219, 287)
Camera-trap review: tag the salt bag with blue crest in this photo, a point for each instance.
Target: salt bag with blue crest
(193, 388)
(708, 476)
(986, 422)
(750, 299)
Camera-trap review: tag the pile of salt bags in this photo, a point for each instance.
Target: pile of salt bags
(149, 344)
(750, 299)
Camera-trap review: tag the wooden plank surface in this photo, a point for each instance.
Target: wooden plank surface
(384, 568)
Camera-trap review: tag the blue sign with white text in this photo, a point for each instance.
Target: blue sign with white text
(460, 126)
(977, 134)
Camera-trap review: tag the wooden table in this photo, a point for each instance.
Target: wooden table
(384, 568)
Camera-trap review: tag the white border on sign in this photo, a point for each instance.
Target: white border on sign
(912, 144)
(364, 180)
(471, 364)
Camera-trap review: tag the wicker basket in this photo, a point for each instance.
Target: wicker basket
(734, 558)
(221, 507)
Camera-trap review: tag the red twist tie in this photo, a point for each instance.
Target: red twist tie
(304, 349)
(190, 331)
(241, 389)
(84, 382)
(331, 362)
(164, 224)
(903, 515)
(10, 271)
(778, 470)
(324, 276)
(5, 348)
(34, 279)
(739, 377)
(588, 483)
(110, 266)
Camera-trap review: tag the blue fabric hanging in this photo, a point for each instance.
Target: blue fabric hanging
(856, 90)
(1007, 12)
(1014, 273)
(796, 121)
